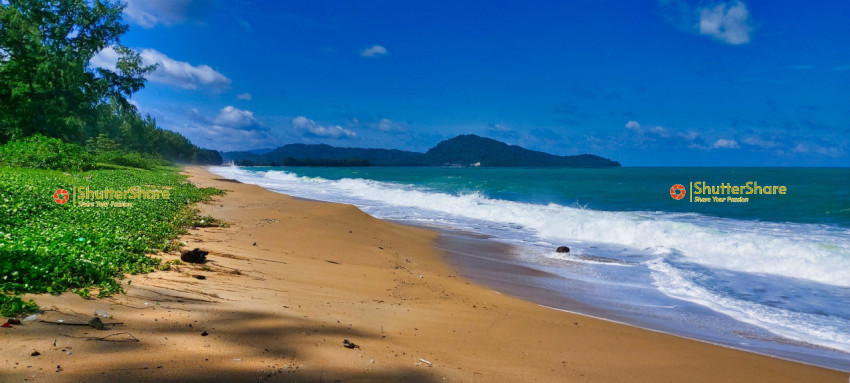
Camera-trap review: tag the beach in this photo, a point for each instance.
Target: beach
(290, 279)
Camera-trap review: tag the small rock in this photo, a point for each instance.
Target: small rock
(562, 249)
(194, 256)
(35, 353)
(349, 344)
(14, 321)
(96, 323)
(102, 313)
(205, 333)
(255, 243)
(199, 276)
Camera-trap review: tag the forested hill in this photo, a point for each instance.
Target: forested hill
(324, 155)
(464, 150)
(471, 149)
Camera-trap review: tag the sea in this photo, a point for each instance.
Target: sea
(767, 273)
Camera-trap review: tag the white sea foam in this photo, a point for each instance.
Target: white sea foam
(803, 251)
(826, 331)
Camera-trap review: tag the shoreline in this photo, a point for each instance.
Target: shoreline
(492, 265)
(290, 279)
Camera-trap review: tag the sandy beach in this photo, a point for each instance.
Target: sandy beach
(291, 279)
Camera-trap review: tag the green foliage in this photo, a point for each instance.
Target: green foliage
(47, 85)
(102, 144)
(131, 159)
(45, 153)
(208, 221)
(46, 247)
(10, 305)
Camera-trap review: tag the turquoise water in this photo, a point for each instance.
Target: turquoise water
(814, 195)
(770, 275)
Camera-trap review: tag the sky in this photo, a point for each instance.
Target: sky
(646, 83)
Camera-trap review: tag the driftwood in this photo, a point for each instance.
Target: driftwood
(78, 324)
(106, 338)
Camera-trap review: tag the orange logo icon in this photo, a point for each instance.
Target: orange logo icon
(677, 191)
(60, 196)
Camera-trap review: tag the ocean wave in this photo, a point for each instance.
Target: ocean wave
(803, 251)
(713, 262)
(823, 330)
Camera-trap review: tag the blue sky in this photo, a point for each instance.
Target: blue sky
(647, 83)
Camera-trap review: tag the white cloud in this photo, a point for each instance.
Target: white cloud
(235, 118)
(387, 125)
(181, 73)
(149, 13)
(229, 129)
(727, 22)
(806, 148)
(652, 130)
(758, 141)
(689, 136)
(725, 144)
(660, 131)
(313, 128)
(374, 50)
(224, 138)
(168, 71)
(106, 59)
(500, 127)
(244, 96)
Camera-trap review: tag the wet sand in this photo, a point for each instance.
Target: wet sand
(290, 279)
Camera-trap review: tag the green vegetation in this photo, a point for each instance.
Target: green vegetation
(46, 247)
(59, 114)
(45, 153)
(49, 88)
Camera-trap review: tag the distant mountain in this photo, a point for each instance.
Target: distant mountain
(464, 150)
(470, 149)
(326, 155)
(261, 151)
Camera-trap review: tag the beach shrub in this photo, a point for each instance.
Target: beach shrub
(47, 247)
(11, 305)
(42, 152)
(108, 151)
(131, 159)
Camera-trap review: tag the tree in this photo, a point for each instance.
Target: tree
(47, 84)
